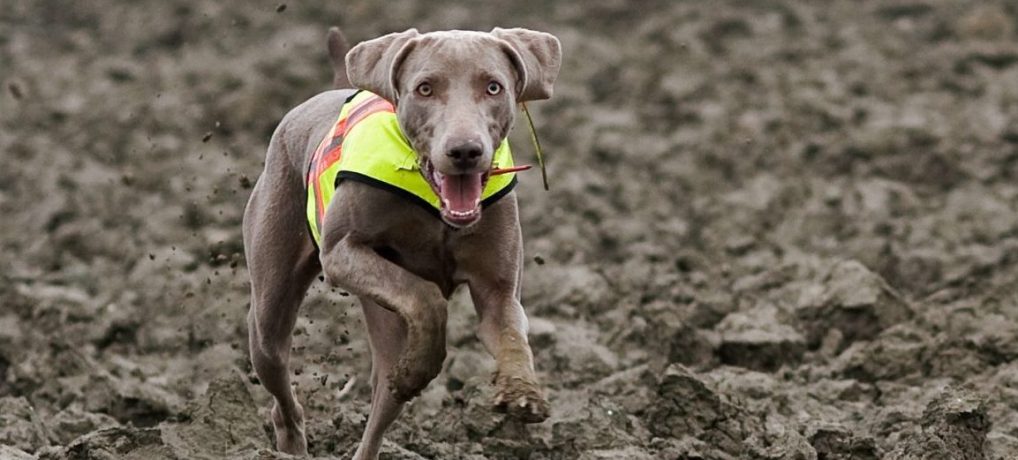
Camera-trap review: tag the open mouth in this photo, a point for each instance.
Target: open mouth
(460, 194)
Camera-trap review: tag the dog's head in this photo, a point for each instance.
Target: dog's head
(455, 94)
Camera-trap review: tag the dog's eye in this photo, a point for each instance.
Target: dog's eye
(424, 89)
(494, 88)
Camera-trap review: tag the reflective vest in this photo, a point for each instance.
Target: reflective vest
(366, 145)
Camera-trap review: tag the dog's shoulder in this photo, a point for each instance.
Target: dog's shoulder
(303, 127)
(320, 109)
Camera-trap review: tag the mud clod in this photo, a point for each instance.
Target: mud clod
(757, 339)
(68, 424)
(16, 90)
(686, 406)
(224, 422)
(13, 453)
(20, 426)
(852, 299)
(838, 443)
(954, 426)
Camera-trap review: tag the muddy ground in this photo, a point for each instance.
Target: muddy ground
(776, 230)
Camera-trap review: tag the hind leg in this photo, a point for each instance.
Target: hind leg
(282, 262)
(387, 335)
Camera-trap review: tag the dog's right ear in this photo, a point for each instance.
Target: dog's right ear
(374, 64)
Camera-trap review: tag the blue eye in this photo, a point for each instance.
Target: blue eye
(494, 88)
(424, 89)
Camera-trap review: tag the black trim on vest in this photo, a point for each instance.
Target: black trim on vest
(499, 194)
(368, 180)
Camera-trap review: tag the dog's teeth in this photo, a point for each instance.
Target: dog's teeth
(455, 213)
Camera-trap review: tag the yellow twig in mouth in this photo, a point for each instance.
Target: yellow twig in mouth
(537, 144)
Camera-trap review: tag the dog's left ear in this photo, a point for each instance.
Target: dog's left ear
(536, 56)
(373, 65)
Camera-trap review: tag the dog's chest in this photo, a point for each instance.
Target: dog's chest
(428, 251)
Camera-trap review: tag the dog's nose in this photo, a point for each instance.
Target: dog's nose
(465, 155)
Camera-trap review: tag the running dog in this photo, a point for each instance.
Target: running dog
(400, 190)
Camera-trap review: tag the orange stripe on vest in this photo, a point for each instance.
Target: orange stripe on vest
(330, 150)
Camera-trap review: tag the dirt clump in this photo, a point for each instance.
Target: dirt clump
(21, 427)
(687, 407)
(954, 426)
(223, 423)
(852, 300)
(837, 443)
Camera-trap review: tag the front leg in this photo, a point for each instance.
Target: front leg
(503, 331)
(420, 304)
(491, 261)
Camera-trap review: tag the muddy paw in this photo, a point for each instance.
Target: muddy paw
(521, 399)
(405, 386)
(290, 436)
(406, 381)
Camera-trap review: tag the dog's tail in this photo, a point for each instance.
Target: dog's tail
(338, 46)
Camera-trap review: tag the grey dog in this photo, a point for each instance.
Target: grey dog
(402, 262)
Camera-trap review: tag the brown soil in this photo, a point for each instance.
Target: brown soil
(776, 230)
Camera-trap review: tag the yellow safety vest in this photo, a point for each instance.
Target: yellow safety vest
(366, 145)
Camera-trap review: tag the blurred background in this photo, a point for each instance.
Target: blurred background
(776, 230)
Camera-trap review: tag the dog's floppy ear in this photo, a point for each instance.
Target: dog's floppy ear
(373, 65)
(537, 57)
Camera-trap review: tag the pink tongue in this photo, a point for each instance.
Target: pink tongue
(461, 192)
